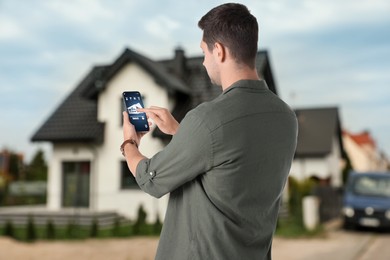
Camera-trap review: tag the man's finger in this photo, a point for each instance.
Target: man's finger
(155, 117)
(150, 110)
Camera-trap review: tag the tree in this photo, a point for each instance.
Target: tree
(31, 232)
(15, 166)
(37, 169)
(347, 168)
(139, 225)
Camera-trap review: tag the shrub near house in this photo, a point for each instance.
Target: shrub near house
(28, 185)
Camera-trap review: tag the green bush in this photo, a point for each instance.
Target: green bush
(71, 230)
(157, 226)
(94, 228)
(50, 230)
(139, 227)
(121, 229)
(40, 231)
(61, 232)
(297, 191)
(116, 229)
(76, 231)
(32, 232)
(8, 229)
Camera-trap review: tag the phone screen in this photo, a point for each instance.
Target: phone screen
(132, 101)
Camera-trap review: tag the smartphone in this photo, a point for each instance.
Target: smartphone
(132, 100)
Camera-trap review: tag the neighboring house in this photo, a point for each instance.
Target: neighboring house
(86, 169)
(363, 153)
(320, 149)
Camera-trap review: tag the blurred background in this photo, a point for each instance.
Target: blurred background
(322, 53)
(329, 60)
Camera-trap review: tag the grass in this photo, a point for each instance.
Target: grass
(294, 228)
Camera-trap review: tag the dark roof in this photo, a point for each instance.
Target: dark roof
(75, 119)
(317, 129)
(185, 79)
(193, 73)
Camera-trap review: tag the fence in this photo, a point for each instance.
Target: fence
(61, 218)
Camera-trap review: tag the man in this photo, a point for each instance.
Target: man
(228, 161)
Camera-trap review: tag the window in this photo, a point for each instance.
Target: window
(75, 184)
(127, 179)
(372, 186)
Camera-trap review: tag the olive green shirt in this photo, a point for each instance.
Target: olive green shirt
(225, 170)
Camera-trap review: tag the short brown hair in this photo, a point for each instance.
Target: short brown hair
(233, 26)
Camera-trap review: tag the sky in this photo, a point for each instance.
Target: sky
(323, 53)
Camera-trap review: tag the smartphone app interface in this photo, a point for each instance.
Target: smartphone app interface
(132, 102)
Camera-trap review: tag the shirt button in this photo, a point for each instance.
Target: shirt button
(152, 174)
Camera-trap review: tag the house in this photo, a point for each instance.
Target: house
(363, 152)
(86, 170)
(320, 150)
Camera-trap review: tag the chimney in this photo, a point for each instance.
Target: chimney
(179, 63)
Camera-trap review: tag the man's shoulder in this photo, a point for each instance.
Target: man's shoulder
(205, 113)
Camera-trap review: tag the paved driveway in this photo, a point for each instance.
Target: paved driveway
(335, 245)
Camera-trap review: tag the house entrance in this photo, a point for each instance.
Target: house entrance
(75, 184)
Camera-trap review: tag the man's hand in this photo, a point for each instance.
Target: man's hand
(162, 118)
(129, 130)
(131, 152)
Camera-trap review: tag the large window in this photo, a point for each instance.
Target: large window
(127, 179)
(75, 184)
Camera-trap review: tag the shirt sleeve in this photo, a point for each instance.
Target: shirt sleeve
(188, 155)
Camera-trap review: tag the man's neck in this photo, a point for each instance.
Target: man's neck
(229, 77)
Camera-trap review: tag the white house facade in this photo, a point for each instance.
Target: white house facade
(105, 162)
(327, 167)
(319, 151)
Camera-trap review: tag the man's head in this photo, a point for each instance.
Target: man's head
(235, 28)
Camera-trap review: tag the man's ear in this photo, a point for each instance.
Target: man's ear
(220, 52)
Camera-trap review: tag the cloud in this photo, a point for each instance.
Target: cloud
(81, 12)
(307, 15)
(10, 29)
(161, 27)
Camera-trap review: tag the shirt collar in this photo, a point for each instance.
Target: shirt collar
(247, 84)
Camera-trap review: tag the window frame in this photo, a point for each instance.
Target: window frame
(125, 174)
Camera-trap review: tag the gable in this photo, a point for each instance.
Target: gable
(317, 129)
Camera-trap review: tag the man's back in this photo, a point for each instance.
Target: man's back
(230, 210)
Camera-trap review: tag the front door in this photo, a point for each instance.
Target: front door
(75, 184)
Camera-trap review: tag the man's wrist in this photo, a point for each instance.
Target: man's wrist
(128, 141)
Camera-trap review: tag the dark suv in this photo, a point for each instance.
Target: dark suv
(367, 200)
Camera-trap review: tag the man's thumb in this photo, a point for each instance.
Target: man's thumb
(125, 117)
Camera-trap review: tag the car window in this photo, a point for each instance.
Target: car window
(372, 186)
